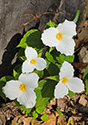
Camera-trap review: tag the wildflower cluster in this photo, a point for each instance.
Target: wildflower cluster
(46, 71)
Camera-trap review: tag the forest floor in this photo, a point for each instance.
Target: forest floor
(75, 108)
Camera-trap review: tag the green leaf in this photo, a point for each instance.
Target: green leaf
(52, 69)
(86, 87)
(15, 74)
(70, 93)
(44, 117)
(48, 88)
(40, 109)
(17, 71)
(39, 73)
(21, 55)
(6, 78)
(2, 84)
(23, 43)
(63, 58)
(34, 114)
(34, 40)
(28, 110)
(55, 78)
(41, 101)
(50, 57)
(76, 16)
(56, 21)
(69, 59)
(50, 24)
(3, 81)
(85, 76)
(45, 92)
(59, 112)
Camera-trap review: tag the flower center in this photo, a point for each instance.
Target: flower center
(22, 87)
(64, 80)
(33, 61)
(59, 36)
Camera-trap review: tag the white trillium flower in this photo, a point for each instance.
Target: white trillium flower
(22, 89)
(67, 81)
(61, 37)
(32, 61)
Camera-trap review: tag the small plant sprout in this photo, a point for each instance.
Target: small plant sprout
(32, 61)
(61, 37)
(67, 81)
(22, 89)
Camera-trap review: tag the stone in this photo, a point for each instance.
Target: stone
(17, 17)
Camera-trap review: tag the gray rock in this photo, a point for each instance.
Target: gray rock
(18, 16)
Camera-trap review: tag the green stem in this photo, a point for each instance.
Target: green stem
(76, 16)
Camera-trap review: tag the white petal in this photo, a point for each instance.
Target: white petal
(66, 70)
(75, 85)
(28, 98)
(66, 46)
(67, 28)
(40, 64)
(27, 67)
(31, 80)
(60, 90)
(49, 37)
(11, 89)
(30, 53)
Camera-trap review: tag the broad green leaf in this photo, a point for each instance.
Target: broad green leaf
(18, 68)
(44, 92)
(39, 73)
(6, 78)
(44, 117)
(50, 24)
(41, 101)
(34, 40)
(56, 21)
(55, 54)
(23, 43)
(59, 112)
(17, 71)
(21, 55)
(55, 78)
(28, 110)
(70, 93)
(15, 74)
(69, 59)
(86, 87)
(48, 88)
(51, 49)
(40, 109)
(52, 69)
(34, 114)
(2, 84)
(85, 76)
(58, 65)
(63, 58)
(50, 57)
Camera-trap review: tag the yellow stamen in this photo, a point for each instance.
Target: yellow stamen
(59, 36)
(22, 87)
(33, 61)
(64, 80)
